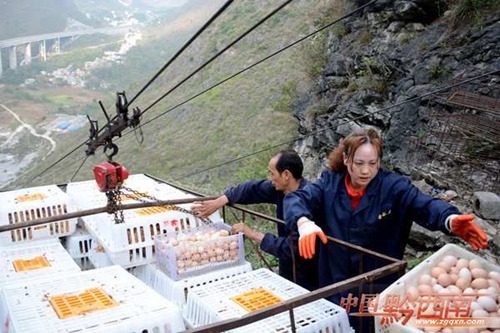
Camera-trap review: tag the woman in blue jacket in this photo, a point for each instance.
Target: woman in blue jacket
(365, 205)
(285, 175)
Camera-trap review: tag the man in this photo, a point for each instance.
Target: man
(285, 175)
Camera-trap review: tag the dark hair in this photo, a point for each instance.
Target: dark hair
(348, 146)
(289, 160)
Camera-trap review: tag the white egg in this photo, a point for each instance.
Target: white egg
(495, 276)
(474, 264)
(437, 288)
(487, 303)
(479, 313)
(450, 260)
(465, 273)
(425, 279)
(461, 263)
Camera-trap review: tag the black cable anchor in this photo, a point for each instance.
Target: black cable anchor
(113, 127)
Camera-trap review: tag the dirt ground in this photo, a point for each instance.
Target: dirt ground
(32, 111)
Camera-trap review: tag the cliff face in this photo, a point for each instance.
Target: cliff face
(398, 51)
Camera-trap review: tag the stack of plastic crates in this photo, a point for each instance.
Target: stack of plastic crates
(130, 243)
(399, 289)
(256, 290)
(29, 262)
(31, 204)
(177, 291)
(100, 300)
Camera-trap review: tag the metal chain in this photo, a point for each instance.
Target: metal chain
(137, 195)
(114, 201)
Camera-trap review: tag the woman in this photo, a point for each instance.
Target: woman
(368, 206)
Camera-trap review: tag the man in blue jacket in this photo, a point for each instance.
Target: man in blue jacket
(285, 175)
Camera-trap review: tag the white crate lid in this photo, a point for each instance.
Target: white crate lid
(139, 307)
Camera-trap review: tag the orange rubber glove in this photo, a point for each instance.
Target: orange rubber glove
(308, 231)
(464, 227)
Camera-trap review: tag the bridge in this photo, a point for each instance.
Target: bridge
(51, 41)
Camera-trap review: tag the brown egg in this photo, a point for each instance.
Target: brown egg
(436, 271)
(479, 283)
(462, 283)
(479, 273)
(444, 265)
(495, 276)
(425, 289)
(454, 278)
(444, 279)
(494, 284)
(461, 263)
(474, 264)
(412, 293)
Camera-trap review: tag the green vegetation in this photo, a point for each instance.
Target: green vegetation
(436, 71)
(466, 11)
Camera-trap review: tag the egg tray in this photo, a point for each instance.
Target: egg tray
(411, 279)
(197, 254)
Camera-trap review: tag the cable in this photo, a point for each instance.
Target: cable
(180, 83)
(218, 54)
(55, 163)
(78, 170)
(330, 127)
(184, 47)
(260, 61)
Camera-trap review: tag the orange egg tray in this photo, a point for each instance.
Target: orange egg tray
(256, 299)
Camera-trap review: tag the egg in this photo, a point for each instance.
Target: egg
(437, 288)
(479, 313)
(479, 283)
(475, 306)
(454, 289)
(474, 264)
(412, 293)
(494, 284)
(462, 283)
(451, 260)
(479, 273)
(444, 265)
(444, 279)
(223, 233)
(436, 271)
(495, 276)
(465, 273)
(487, 303)
(461, 263)
(454, 278)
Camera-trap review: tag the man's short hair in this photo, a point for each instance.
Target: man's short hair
(289, 160)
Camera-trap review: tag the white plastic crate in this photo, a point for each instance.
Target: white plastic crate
(198, 251)
(137, 307)
(78, 246)
(86, 194)
(177, 291)
(132, 243)
(31, 204)
(411, 279)
(57, 260)
(211, 303)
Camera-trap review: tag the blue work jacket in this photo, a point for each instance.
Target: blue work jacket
(381, 223)
(262, 191)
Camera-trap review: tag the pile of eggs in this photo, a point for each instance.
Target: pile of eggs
(199, 249)
(461, 276)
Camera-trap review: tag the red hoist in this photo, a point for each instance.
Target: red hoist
(110, 175)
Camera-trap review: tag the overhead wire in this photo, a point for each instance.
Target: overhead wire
(258, 62)
(182, 49)
(341, 123)
(218, 54)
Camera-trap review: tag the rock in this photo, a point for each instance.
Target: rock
(487, 205)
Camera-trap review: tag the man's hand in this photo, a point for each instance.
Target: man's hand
(308, 231)
(464, 227)
(248, 232)
(206, 208)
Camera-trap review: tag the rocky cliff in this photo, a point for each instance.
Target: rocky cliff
(392, 67)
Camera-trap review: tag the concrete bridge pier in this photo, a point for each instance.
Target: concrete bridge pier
(1, 63)
(57, 45)
(43, 50)
(27, 54)
(13, 57)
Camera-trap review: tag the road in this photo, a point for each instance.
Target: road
(30, 128)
